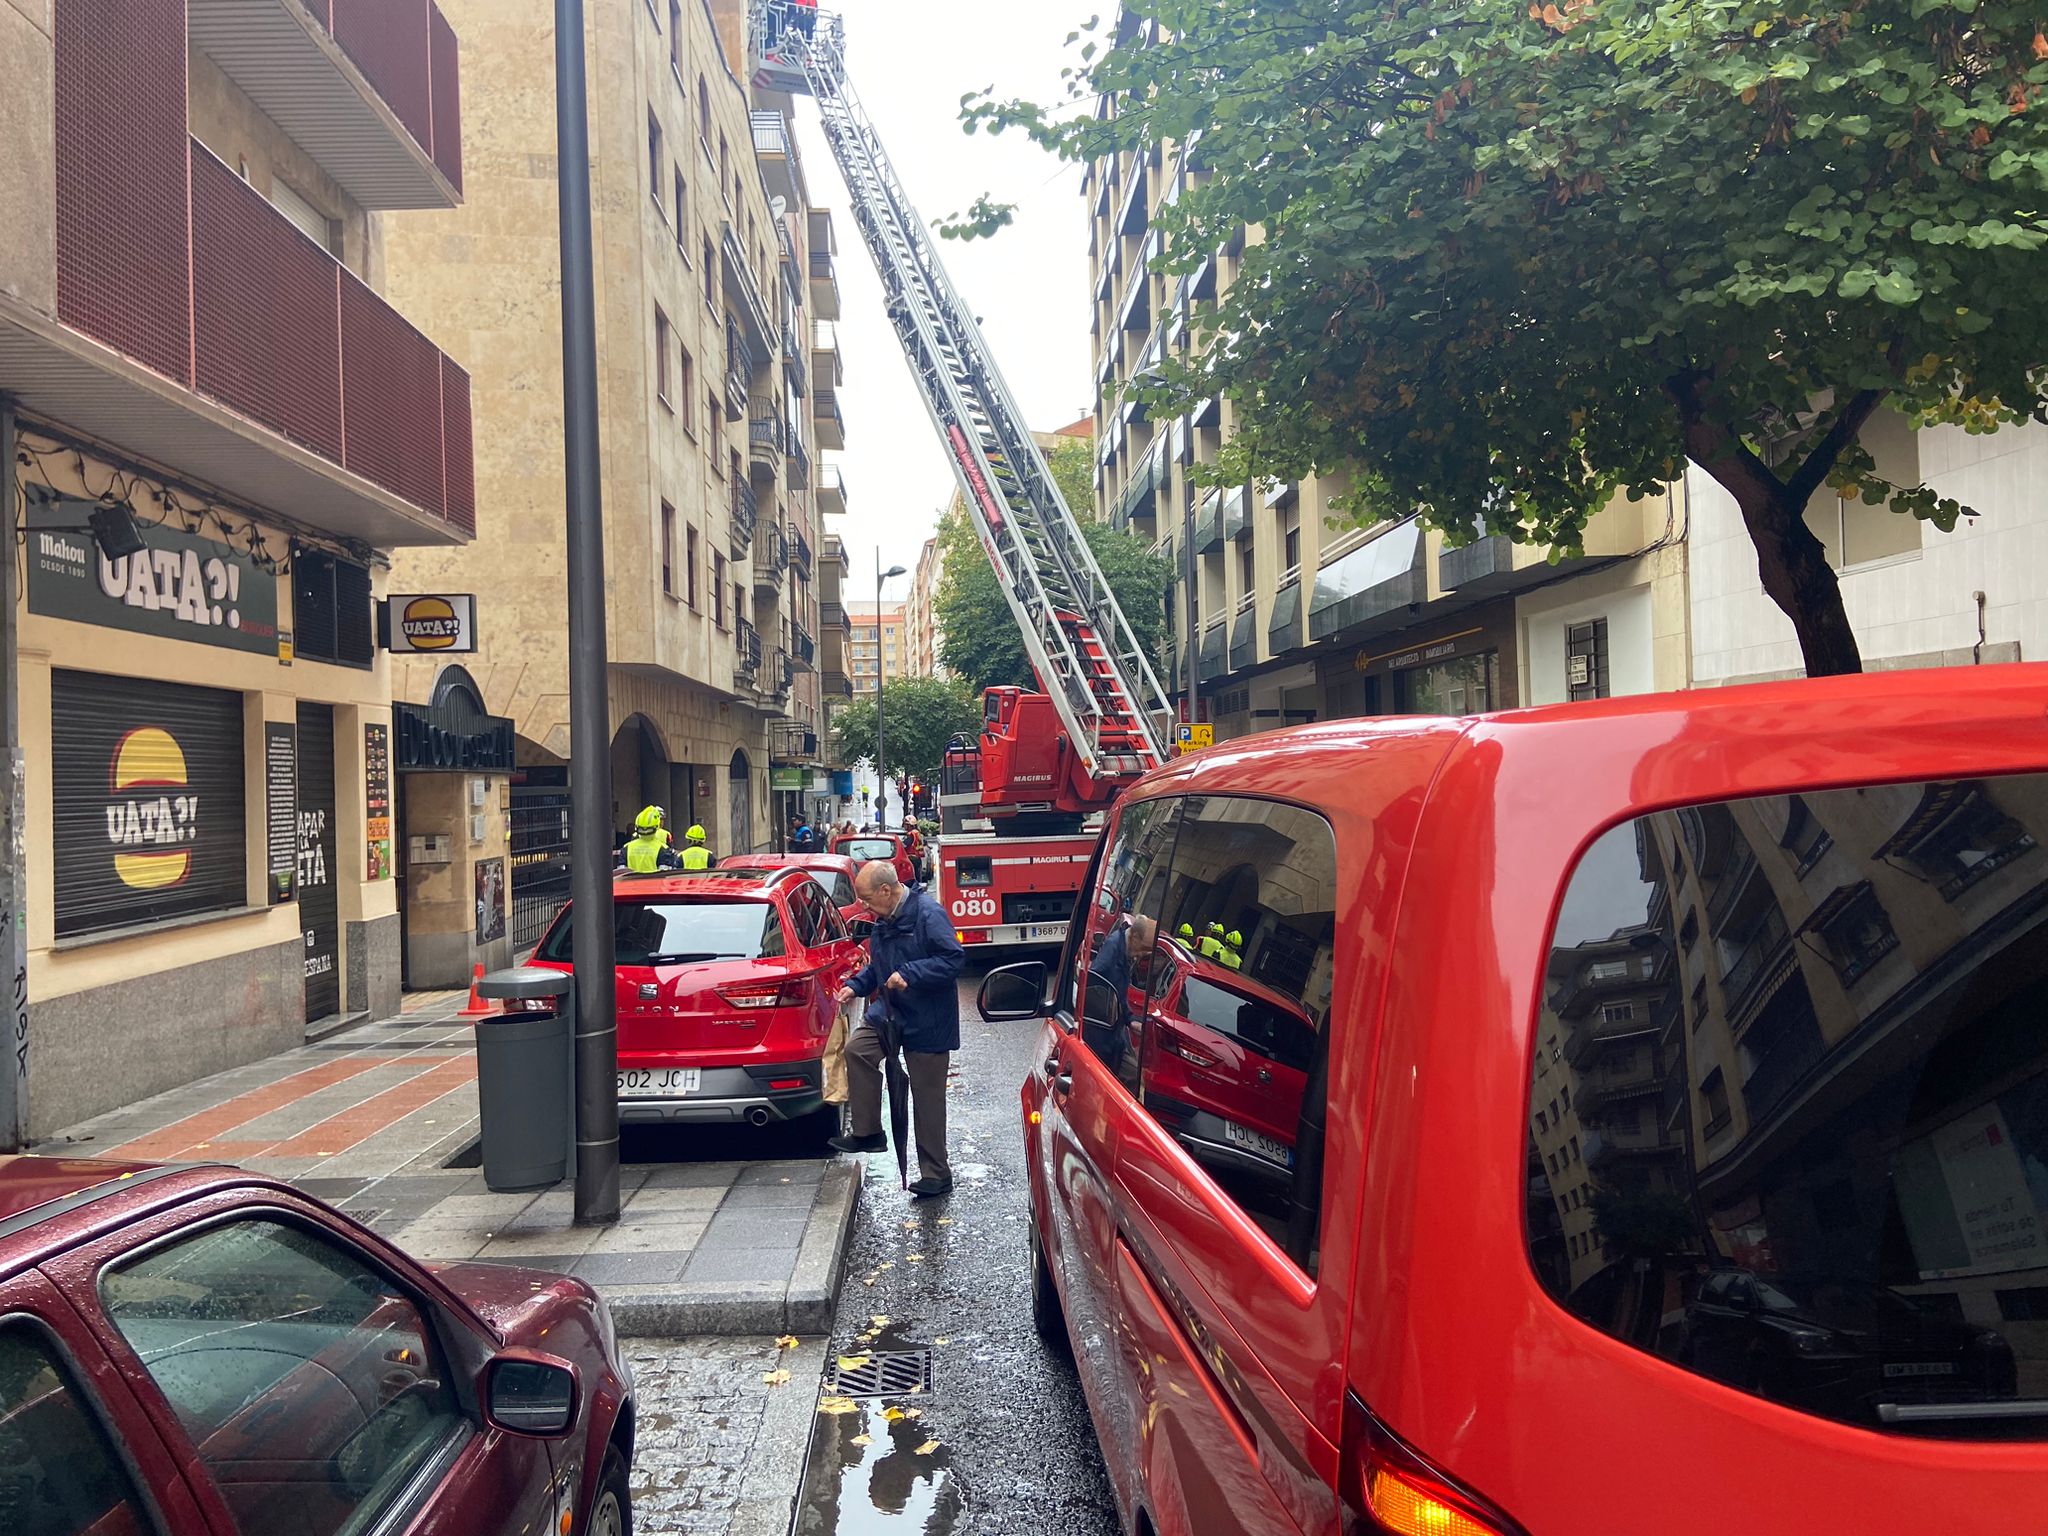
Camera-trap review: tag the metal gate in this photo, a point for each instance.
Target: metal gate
(319, 888)
(741, 776)
(540, 852)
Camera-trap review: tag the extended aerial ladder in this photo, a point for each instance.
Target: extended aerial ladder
(1087, 658)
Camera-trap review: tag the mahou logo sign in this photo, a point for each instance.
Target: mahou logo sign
(152, 816)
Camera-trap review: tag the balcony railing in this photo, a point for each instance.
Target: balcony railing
(766, 437)
(222, 295)
(825, 416)
(799, 550)
(740, 283)
(745, 515)
(771, 558)
(831, 490)
(740, 366)
(799, 463)
(747, 640)
(804, 645)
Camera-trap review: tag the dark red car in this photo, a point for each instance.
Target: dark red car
(873, 847)
(834, 871)
(194, 1351)
(726, 985)
(1663, 1102)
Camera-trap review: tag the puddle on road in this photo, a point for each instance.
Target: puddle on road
(879, 1466)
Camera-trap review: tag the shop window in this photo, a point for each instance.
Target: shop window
(1856, 534)
(331, 609)
(1466, 685)
(1585, 660)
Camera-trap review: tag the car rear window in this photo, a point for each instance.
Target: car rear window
(867, 849)
(679, 931)
(1789, 1120)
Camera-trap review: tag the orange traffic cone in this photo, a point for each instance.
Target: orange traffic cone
(478, 1008)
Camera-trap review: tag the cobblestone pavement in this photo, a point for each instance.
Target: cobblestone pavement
(720, 1447)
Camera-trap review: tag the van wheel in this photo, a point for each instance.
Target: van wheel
(1046, 1315)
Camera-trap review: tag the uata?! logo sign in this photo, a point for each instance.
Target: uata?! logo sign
(151, 821)
(430, 624)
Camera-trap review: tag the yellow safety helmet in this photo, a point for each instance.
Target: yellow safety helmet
(694, 835)
(649, 820)
(1234, 939)
(1187, 930)
(1215, 930)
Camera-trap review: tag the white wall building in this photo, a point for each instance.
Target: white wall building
(1917, 597)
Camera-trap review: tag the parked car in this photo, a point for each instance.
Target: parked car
(726, 981)
(1603, 1003)
(834, 871)
(191, 1351)
(874, 847)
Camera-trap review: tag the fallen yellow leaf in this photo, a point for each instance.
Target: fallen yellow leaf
(945, 1221)
(869, 1281)
(837, 1405)
(942, 1341)
(893, 1414)
(855, 1362)
(915, 1258)
(926, 1449)
(787, 1341)
(862, 1440)
(878, 1321)
(775, 1378)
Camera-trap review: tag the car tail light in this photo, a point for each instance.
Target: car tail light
(785, 1084)
(784, 992)
(1176, 1044)
(1401, 1494)
(971, 935)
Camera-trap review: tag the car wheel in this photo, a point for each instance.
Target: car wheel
(612, 1514)
(1046, 1315)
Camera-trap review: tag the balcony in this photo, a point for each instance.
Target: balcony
(1604, 1144)
(771, 558)
(831, 490)
(803, 647)
(198, 328)
(1601, 1088)
(371, 89)
(766, 437)
(1590, 1036)
(747, 643)
(1244, 634)
(782, 673)
(824, 275)
(740, 365)
(1220, 518)
(1134, 316)
(825, 355)
(826, 420)
(757, 319)
(1147, 483)
(1213, 660)
(1284, 629)
(799, 551)
(745, 513)
(795, 354)
(837, 684)
(1136, 211)
(781, 167)
(799, 464)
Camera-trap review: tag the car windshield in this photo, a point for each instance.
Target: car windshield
(677, 931)
(868, 848)
(1838, 1303)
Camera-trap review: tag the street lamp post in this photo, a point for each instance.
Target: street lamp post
(881, 677)
(590, 851)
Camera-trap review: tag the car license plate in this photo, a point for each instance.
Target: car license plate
(1257, 1142)
(1928, 1368)
(659, 1082)
(1045, 933)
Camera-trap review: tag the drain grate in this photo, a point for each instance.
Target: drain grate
(900, 1373)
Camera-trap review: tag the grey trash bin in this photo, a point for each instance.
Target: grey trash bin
(526, 1081)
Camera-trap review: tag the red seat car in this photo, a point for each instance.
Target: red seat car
(834, 871)
(193, 1351)
(1619, 1118)
(872, 847)
(726, 980)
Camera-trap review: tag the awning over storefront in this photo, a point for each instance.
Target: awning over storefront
(1284, 630)
(1378, 580)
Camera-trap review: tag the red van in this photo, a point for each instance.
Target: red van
(1667, 1149)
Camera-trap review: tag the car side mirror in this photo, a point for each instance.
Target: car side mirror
(1014, 993)
(530, 1395)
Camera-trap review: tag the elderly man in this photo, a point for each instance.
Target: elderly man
(914, 962)
(1124, 961)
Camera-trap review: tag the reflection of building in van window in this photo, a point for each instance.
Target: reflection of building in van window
(1852, 1097)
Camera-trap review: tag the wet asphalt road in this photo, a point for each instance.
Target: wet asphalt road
(1002, 1441)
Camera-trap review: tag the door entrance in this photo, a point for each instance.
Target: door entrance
(741, 776)
(319, 894)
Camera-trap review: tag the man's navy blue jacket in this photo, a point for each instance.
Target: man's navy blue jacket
(919, 942)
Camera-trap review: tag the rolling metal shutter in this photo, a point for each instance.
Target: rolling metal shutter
(150, 816)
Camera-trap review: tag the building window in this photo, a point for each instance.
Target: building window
(1617, 1013)
(718, 589)
(1714, 1103)
(1247, 578)
(654, 158)
(1292, 541)
(690, 542)
(682, 214)
(661, 349)
(710, 274)
(1854, 929)
(1957, 836)
(704, 115)
(726, 180)
(311, 222)
(739, 603)
(675, 38)
(1805, 839)
(1585, 660)
(331, 609)
(687, 393)
(1855, 534)
(668, 549)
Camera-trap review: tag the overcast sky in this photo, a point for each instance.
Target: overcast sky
(911, 61)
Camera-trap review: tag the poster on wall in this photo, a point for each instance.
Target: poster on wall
(180, 586)
(281, 809)
(377, 799)
(490, 900)
(148, 814)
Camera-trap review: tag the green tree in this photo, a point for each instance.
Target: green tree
(1513, 258)
(980, 642)
(921, 714)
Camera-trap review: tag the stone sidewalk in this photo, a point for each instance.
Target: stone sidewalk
(381, 1121)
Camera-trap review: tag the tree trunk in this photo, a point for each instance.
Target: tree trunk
(1792, 561)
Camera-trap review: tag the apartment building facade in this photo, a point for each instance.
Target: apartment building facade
(217, 429)
(1286, 612)
(879, 647)
(708, 284)
(922, 634)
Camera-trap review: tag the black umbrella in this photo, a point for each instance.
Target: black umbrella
(889, 1029)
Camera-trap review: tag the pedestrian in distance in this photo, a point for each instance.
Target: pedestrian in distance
(696, 853)
(912, 1003)
(647, 851)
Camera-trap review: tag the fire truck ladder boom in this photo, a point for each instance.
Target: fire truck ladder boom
(1083, 648)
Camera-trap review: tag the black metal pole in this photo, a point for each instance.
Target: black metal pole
(881, 677)
(1192, 606)
(590, 848)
